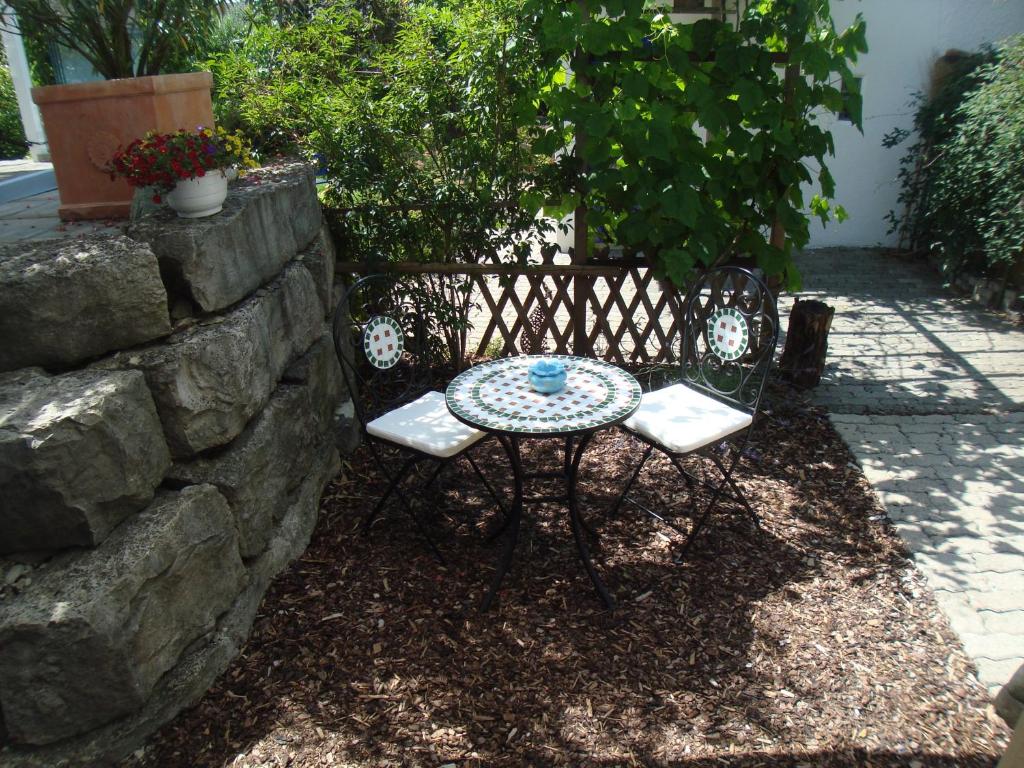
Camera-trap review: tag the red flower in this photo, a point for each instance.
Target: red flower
(161, 160)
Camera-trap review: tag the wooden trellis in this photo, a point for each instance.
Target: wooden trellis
(617, 312)
(648, 328)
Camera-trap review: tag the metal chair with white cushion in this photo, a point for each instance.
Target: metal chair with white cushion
(730, 329)
(387, 352)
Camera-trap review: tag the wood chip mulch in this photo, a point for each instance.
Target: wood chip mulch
(810, 642)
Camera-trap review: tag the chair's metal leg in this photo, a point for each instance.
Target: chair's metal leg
(719, 491)
(511, 446)
(739, 495)
(691, 481)
(394, 487)
(419, 526)
(487, 485)
(502, 527)
(625, 491)
(697, 527)
(434, 475)
(425, 489)
(576, 523)
(393, 482)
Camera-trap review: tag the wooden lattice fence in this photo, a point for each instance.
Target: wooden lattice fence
(615, 311)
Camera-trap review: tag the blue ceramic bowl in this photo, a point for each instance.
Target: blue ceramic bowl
(547, 376)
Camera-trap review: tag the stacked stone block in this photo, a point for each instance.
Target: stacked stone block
(170, 410)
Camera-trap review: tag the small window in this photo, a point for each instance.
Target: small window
(696, 6)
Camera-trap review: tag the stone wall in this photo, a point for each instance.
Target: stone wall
(170, 411)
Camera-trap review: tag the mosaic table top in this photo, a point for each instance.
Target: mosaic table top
(497, 396)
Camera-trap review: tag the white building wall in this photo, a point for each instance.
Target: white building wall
(905, 38)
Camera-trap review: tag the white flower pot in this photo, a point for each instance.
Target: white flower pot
(198, 197)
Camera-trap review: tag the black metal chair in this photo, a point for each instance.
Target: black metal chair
(730, 329)
(388, 354)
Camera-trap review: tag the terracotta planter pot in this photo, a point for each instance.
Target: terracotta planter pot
(87, 122)
(201, 196)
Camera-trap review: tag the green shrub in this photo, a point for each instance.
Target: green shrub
(12, 136)
(963, 179)
(409, 111)
(37, 51)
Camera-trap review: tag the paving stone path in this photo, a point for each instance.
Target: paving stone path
(928, 392)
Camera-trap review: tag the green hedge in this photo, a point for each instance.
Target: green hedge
(12, 136)
(963, 179)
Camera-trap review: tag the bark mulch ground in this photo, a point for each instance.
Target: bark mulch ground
(810, 642)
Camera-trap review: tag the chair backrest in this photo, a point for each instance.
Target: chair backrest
(382, 342)
(730, 329)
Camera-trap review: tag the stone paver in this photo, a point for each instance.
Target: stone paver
(928, 392)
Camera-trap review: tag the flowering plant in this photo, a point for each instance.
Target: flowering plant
(161, 160)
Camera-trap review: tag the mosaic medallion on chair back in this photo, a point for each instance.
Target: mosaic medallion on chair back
(383, 341)
(728, 333)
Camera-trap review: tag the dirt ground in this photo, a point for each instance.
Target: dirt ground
(809, 642)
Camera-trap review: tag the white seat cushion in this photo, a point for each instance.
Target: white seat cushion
(425, 425)
(683, 420)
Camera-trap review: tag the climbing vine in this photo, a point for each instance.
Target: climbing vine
(692, 143)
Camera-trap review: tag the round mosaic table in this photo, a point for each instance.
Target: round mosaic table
(497, 397)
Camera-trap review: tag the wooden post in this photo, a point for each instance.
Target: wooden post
(581, 285)
(788, 93)
(803, 359)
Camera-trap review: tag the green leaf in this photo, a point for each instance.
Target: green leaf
(596, 37)
(750, 94)
(704, 33)
(682, 203)
(677, 264)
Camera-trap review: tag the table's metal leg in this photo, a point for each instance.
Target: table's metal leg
(500, 530)
(570, 476)
(577, 525)
(511, 445)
